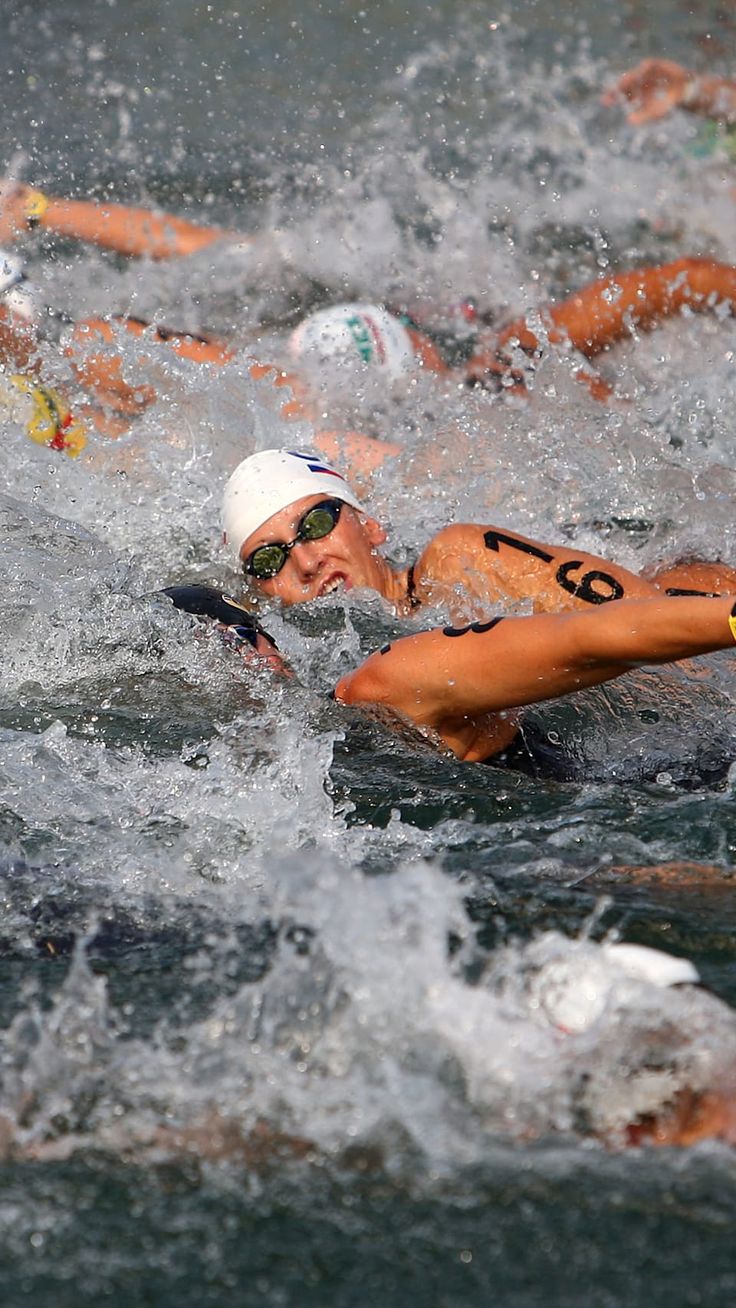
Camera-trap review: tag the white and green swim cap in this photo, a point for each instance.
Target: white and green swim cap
(361, 336)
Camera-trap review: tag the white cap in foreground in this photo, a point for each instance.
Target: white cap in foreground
(267, 482)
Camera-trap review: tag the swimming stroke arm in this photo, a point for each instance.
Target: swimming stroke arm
(613, 307)
(442, 677)
(127, 229)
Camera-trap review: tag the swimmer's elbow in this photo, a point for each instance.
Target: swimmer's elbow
(363, 686)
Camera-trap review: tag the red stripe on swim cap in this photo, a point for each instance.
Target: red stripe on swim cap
(377, 337)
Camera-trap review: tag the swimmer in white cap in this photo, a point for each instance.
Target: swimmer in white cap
(26, 324)
(16, 293)
(300, 530)
(587, 322)
(356, 339)
(114, 399)
(41, 411)
(300, 533)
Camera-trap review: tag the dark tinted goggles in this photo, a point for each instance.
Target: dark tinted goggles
(268, 560)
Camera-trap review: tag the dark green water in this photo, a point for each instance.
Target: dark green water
(518, 1238)
(224, 899)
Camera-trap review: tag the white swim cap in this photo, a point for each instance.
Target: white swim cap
(265, 483)
(357, 335)
(11, 270)
(15, 292)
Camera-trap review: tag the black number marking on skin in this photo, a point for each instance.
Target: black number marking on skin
(583, 588)
(495, 538)
(477, 627)
(705, 594)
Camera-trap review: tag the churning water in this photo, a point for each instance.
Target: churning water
(232, 908)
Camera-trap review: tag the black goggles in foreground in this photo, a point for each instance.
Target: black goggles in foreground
(268, 560)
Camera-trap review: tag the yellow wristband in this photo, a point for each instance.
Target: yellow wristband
(36, 205)
(732, 621)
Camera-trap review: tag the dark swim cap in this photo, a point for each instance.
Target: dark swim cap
(207, 602)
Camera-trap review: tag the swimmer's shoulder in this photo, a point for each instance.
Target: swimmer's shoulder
(487, 563)
(456, 547)
(457, 538)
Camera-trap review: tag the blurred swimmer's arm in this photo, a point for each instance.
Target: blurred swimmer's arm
(200, 349)
(609, 309)
(99, 369)
(448, 679)
(93, 348)
(692, 1115)
(657, 86)
(126, 229)
(504, 361)
(359, 455)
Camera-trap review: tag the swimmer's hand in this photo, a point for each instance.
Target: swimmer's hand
(252, 645)
(20, 208)
(495, 374)
(238, 625)
(505, 361)
(654, 88)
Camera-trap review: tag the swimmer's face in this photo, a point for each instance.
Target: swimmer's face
(345, 558)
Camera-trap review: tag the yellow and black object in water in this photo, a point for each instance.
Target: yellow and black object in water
(44, 413)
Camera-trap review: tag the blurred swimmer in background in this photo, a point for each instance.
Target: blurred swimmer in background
(351, 340)
(655, 87)
(108, 401)
(638, 1054)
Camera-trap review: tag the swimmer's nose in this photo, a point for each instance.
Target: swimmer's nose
(308, 558)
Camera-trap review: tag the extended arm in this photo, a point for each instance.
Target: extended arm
(92, 349)
(448, 679)
(128, 230)
(657, 86)
(611, 308)
(596, 316)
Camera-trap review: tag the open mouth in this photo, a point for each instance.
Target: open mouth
(333, 583)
